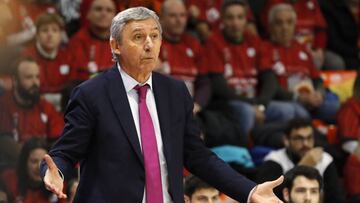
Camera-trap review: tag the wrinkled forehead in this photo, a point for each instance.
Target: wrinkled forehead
(146, 25)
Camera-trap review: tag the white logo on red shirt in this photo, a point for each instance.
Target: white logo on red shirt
(303, 56)
(189, 52)
(64, 69)
(251, 52)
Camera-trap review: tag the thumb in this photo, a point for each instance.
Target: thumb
(49, 161)
(276, 182)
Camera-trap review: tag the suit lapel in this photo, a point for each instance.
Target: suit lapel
(162, 99)
(120, 103)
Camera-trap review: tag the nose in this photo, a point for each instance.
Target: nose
(148, 44)
(307, 196)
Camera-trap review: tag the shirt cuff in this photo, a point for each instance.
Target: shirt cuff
(62, 175)
(250, 194)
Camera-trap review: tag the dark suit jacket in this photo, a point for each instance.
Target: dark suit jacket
(100, 133)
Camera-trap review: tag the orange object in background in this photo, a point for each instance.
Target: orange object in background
(330, 131)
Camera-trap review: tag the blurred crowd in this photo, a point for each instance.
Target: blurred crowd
(258, 71)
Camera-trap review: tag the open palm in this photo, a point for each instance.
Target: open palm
(52, 179)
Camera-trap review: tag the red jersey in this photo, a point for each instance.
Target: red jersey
(90, 54)
(310, 24)
(181, 59)
(210, 12)
(42, 120)
(10, 179)
(54, 73)
(352, 175)
(292, 65)
(348, 119)
(238, 62)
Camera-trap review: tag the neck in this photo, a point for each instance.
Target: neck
(100, 33)
(46, 53)
(21, 101)
(139, 76)
(171, 38)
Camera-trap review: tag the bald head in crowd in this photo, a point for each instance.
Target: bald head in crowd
(173, 19)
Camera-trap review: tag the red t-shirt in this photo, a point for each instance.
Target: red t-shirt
(348, 119)
(10, 179)
(89, 54)
(238, 62)
(54, 73)
(352, 175)
(40, 121)
(310, 24)
(181, 59)
(291, 64)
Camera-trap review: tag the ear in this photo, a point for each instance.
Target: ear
(286, 194)
(186, 199)
(115, 46)
(286, 141)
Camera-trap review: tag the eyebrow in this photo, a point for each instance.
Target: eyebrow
(141, 29)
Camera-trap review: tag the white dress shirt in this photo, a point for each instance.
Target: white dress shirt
(132, 95)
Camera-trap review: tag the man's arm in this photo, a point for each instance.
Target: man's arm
(72, 145)
(203, 163)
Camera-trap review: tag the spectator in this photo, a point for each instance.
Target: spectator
(302, 184)
(54, 60)
(300, 150)
(343, 32)
(310, 25)
(197, 191)
(25, 184)
(293, 66)
(233, 61)
(348, 120)
(207, 18)
(90, 46)
(24, 114)
(180, 53)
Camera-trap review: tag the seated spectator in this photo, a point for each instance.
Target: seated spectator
(25, 184)
(90, 46)
(197, 191)
(54, 60)
(24, 114)
(233, 61)
(351, 175)
(206, 16)
(300, 150)
(348, 120)
(343, 33)
(310, 27)
(180, 53)
(293, 66)
(302, 184)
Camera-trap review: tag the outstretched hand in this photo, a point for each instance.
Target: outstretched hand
(264, 192)
(53, 181)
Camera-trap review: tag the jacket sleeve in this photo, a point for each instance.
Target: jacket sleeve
(79, 127)
(206, 165)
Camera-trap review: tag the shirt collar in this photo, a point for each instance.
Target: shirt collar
(129, 82)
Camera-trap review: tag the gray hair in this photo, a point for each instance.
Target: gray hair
(131, 14)
(278, 8)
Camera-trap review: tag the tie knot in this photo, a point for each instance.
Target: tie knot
(142, 90)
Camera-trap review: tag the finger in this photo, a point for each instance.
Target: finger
(276, 182)
(49, 161)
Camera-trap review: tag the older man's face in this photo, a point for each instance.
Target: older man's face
(283, 28)
(174, 18)
(140, 45)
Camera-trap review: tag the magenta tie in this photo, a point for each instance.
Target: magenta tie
(154, 193)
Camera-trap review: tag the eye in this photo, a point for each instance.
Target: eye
(138, 37)
(155, 36)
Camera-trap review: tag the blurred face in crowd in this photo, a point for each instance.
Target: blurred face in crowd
(300, 140)
(33, 163)
(139, 47)
(283, 27)
(173, 17)
(304, 190)
(204, 195)
(49, 36)
(101, 13)
(3, 197)
(27, 82)
(234, 21)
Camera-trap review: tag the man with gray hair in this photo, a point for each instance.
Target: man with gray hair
(132, 130)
